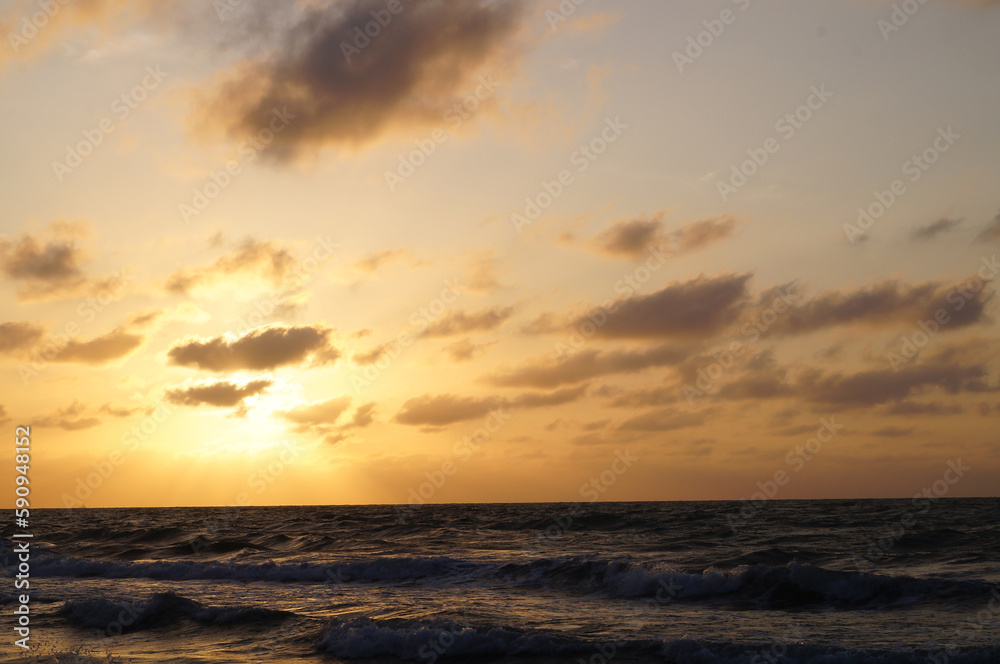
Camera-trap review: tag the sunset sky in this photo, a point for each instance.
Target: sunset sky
(253, 255)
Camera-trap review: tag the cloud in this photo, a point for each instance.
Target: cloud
(589, 363)
(464, 350)
(363, 415)
(630, 238)
(372, 262)
(459, 322)
(372, 356)
(259, 349)
(69, 418)
(691, 309)
(125, 411)
(889, 303)
(876, 386)
(217, 393)
(19, 337)
(700, 234)
(663, 420)
(635, 238)
(100, 350)
(445, 409)
(320, 419)
(99, 17)
(406, 77)
(933, 229)
(992, 231)
(318, 414)
(48, 266)
(909, 408)
(252, 259)
(892, 432)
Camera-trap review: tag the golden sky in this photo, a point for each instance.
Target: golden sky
(383, 251)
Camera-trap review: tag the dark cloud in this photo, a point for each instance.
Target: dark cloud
(17, 338)
(933, 229)
(992, 231)
(699, 234)
(589, 363)
(646, 397)
(892, 432)
(70, 418)
(926, 408)
(691, 309)
(663, 420)
(48, 266)
(889, 303)
(218, 393)
(3, 415)
(406, 77)
(630, 238)
(459, 322)
(636, 238)
(878, 386)
(445, 409)
(259, 349)
(263, 260)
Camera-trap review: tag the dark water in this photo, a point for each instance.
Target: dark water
(796, 581)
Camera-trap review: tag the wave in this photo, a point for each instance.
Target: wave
(428, 640)
(767, 586)
(114, 617)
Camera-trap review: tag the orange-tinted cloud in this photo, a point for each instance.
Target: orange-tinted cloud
(217, 393)
(447, 409)
(589, 363)
(252, 259)
(259, 349)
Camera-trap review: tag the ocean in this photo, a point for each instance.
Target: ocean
(835, 581)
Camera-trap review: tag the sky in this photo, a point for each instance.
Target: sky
(384, 251)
